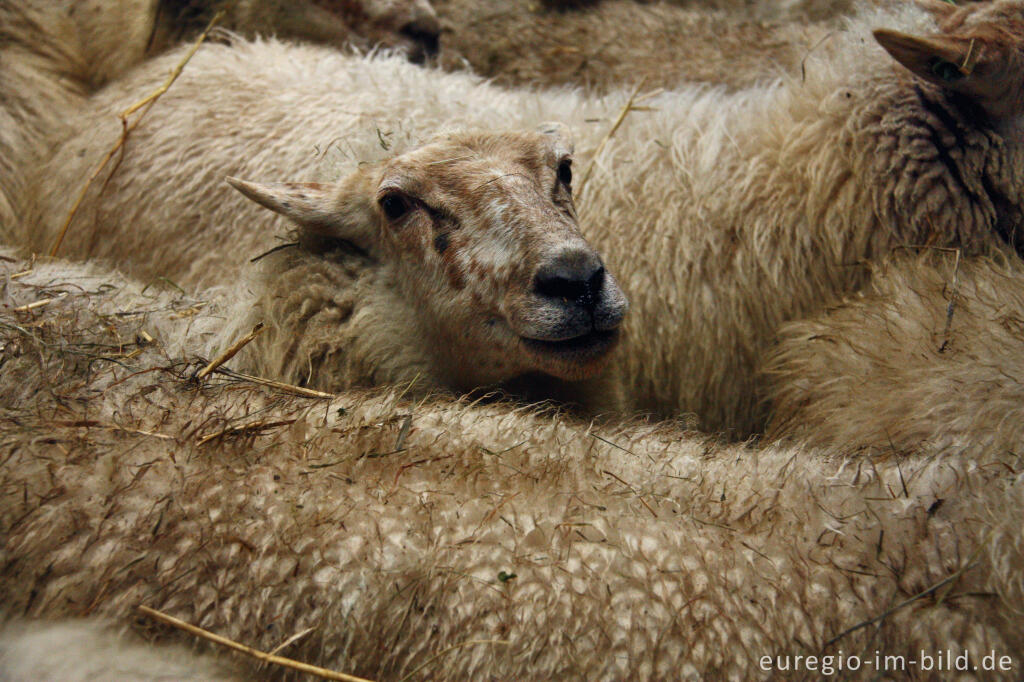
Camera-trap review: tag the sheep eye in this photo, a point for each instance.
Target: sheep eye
(565, 172)
(394, 205)
(947, 71)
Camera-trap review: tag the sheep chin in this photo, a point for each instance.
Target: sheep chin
(574, 359)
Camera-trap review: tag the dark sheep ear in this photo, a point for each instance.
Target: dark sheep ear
(940, 59)
(334, 211)
(985, 72)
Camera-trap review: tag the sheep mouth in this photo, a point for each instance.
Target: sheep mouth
(582, 348)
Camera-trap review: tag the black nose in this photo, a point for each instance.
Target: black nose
(427, 36)
(575, 276)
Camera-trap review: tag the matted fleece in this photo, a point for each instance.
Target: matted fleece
(442, 539)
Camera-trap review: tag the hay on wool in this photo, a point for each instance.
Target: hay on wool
(231, 351)
(127, 127)
(265, 657)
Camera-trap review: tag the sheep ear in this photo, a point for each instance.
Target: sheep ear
(334, 211)
(986, 73)
(560, 134)
(939, 59)
(306, 203)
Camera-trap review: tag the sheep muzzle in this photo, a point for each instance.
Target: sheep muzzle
(570, 322)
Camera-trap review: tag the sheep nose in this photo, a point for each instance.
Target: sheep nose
(576, 276)
(425, 32)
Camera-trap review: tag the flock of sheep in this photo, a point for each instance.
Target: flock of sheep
(605, 339)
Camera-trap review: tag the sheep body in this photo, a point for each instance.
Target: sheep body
(53, 52)
(537, 546)
(881, 370)
(777, 200)
(115, 35)
(726, 214)
(41, 80)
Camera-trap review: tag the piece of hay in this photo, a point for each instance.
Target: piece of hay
(249, 651)
(126, 128)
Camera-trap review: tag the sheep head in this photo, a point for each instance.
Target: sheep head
(412, 24)
(477, 234)
(409, 26)
(978, 53)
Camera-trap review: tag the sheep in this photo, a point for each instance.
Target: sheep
(778, 203)
(468, 245)
(115, 35)
(897, 367)
(722, 215)
(41, 79)
(53, 52)
(347, 126)
(619, 42)
(448, 540)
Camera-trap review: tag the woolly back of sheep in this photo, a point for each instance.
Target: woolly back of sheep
(930, 355)
(41, 76)
(455, 541)
(52, 52)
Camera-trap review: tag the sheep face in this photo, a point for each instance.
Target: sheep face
(414, 22)
(477, 234)
(979, 53)
(408, 25)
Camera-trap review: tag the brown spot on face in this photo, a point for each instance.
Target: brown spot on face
(441, 243)
(450, 247)
(476, 268)
(452, 269)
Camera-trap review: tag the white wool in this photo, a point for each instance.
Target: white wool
(86, 651)
(930, 356)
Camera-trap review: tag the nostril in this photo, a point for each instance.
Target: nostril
(578, 283)
(426, 34)
(561, 287)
